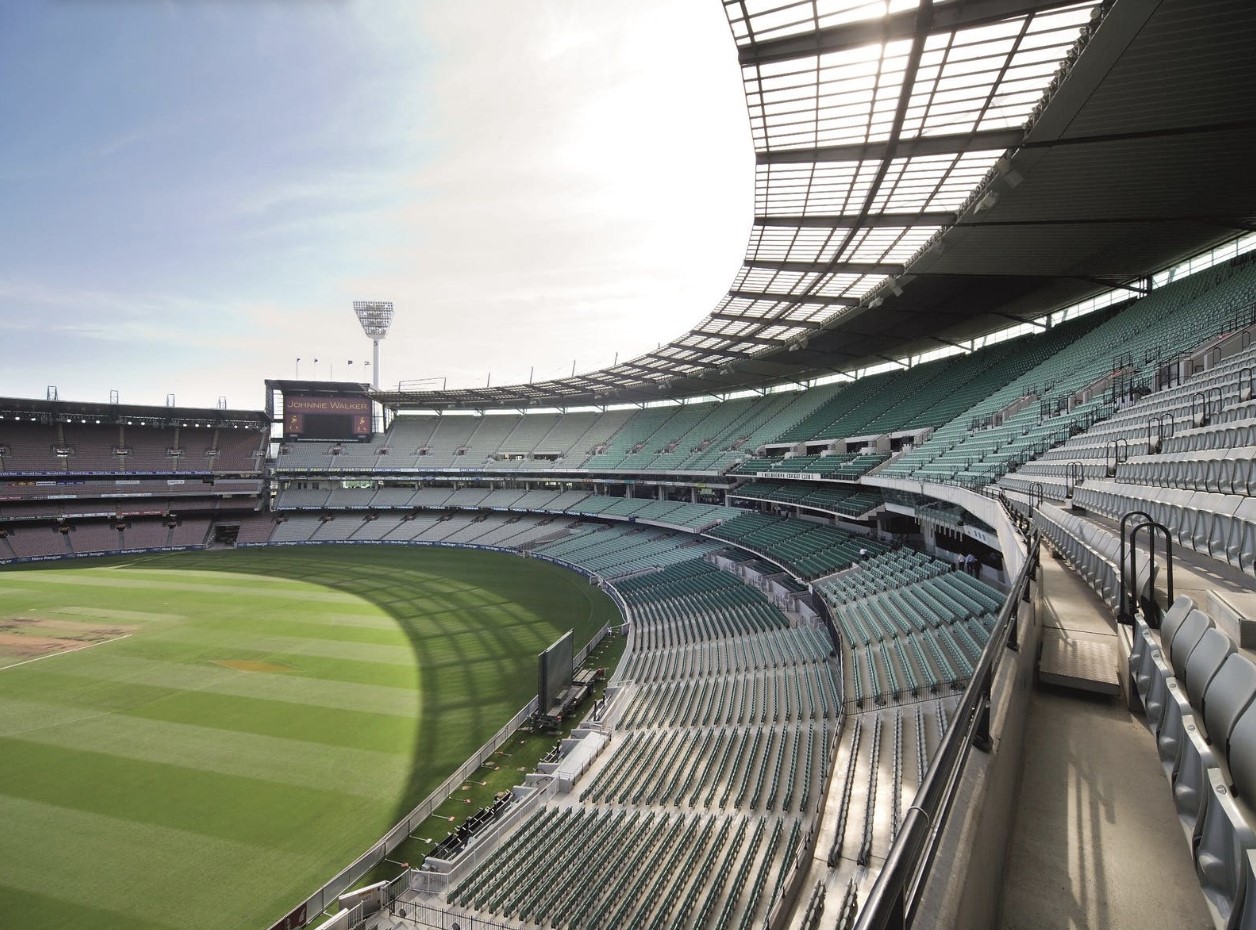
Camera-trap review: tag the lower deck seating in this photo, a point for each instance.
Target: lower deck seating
(699, 812)
(809, 549)
(1198, 695)
(909, 625)
(622, 550)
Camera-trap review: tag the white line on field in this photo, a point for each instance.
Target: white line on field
(5, 668)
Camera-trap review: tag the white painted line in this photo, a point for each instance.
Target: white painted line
(5, 668)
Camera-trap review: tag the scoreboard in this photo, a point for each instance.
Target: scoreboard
(310, 417)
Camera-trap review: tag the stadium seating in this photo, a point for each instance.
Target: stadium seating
(911, 624)
(851, 502)
(70, 448)
(1047, 404)
(719, 767)
(622, 550)
(1198, 691)
(808, 549)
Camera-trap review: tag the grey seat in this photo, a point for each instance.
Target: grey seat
(1247, 915)
(1187, 636)
(1204, 662)
(1190, 774)
(1175, 617)
(1231, 691)
(1140, 664)
(1186, 694)
(1224, 836)
(1161, 665)
(1242, 755)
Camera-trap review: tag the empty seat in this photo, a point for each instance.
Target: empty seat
(1185, 639)
(1225, 837)
(1186, 693)
(1231, 691)
(1140, 665)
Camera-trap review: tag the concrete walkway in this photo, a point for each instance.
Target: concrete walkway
(1095, 840)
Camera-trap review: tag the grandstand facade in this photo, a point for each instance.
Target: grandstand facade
(820, 509)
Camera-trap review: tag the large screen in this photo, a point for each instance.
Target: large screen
(555, 671)
(306, 417)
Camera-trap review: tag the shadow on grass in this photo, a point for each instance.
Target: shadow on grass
(475, 621)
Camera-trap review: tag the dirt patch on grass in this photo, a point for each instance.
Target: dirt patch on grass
(32, 637)
(250, 665)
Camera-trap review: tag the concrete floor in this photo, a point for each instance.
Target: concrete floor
(1095, 840)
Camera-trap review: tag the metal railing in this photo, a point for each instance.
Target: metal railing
(893, 899)
(329, 894)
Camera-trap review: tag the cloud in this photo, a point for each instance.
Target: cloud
(577, 199)
(529, 183)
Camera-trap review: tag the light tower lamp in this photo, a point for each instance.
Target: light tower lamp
(375, 316)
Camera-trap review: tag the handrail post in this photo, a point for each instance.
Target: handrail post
(1200, 418)
(1214, 394)
(1125, 613)
(1154, 615)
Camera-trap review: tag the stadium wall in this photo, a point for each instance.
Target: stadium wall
(60, 556)
(981, 812)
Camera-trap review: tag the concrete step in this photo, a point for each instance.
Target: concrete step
(1077, 660)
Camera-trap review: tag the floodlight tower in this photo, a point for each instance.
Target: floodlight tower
(375, 316)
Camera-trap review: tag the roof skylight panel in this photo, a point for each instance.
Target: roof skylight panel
(783, 331)
(773, 20)
(788, 243)
(821, 187)
(737, 306)
(838, 285)
(835, 185)
(759, 22)
(908, 244)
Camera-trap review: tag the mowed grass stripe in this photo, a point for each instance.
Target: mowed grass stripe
(53, 913)
(291, 718)
(113, 613)
(359, 772)
(190, 587)
(286, 719)
(309, 625)
(120, 866)
(202, 639)
(177, 796)
(461, 633)
(271, 686)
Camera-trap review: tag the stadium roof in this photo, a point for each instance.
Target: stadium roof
(54, 411)
(318, 388)
(939, 171)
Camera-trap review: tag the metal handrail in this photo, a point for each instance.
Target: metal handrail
(1125, 609)
(1160, 421)
(893, 899)
(1211, 402)
(1115, 446)
(1076, 478)
(1152, 610)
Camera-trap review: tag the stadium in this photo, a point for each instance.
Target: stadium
(911, 586)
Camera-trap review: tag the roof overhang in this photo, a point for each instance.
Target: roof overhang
(926, 177)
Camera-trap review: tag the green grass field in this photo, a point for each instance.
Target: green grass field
(232, 728)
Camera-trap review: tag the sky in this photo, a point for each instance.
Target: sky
(193, 193)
